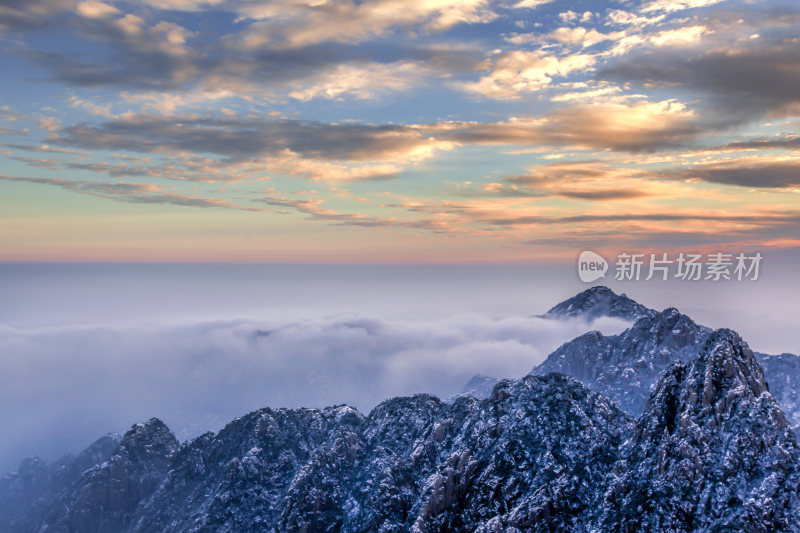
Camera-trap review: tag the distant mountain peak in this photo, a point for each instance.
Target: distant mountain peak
(480, 386)
(728, 363)
(599, 301)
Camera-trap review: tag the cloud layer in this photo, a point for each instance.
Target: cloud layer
(65, 386)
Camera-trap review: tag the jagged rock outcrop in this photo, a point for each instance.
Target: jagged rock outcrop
(105, 498)
(238, 479)
(26, 494)
(626, 367)
(597, 302)
(711, 452)
(529, 457)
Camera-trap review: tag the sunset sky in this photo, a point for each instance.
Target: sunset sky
(396, 130)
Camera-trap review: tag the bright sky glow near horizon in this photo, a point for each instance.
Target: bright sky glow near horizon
(396, 131)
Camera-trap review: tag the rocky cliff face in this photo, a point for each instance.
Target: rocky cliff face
(627, 366)
(414, 464)
(711, 452)
(479, 386)
(529, 457)
(26, 495)
(107, 496)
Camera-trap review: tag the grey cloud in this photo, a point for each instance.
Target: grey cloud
(143, 60)
(315, 212)
(605, 194)
(18, 15)
(240, 139)
(780, 218)
(784, 143)
(245, 138)
(770, 174)
(137, 193)
(128, 69)
(760, 78)
(116, 171)
(37, 162)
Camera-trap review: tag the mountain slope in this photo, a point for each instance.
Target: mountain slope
(529, 457)
(105, 498)
(479, 386)
(626, 367)
(711, 452)
(26, 494)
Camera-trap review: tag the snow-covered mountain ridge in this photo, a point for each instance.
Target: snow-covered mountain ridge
(711, 450)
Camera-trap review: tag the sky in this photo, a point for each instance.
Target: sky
(396, 131)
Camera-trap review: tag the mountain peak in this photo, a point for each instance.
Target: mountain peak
(151, 438)
(729, 366)
(717, 446)
(626, 367)
(599, 301)
(480, 386)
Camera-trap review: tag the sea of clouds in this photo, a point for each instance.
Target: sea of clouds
(62, 387)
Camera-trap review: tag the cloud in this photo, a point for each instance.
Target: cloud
(686, 36)
(313, 208)
(749, 172)
(632, 127)
(92, 9)
(244, 138)
(164, 65)
(789, 142)
(65, 386)
(16, 15)
(583, 37)
(290, 24)
(626, 18)
(358, 152)
(138, 193)
(580, 180)
(531, 4)
(768, 219)
(670, 6)
(360, 81)
(512, 74)
(744, 81)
